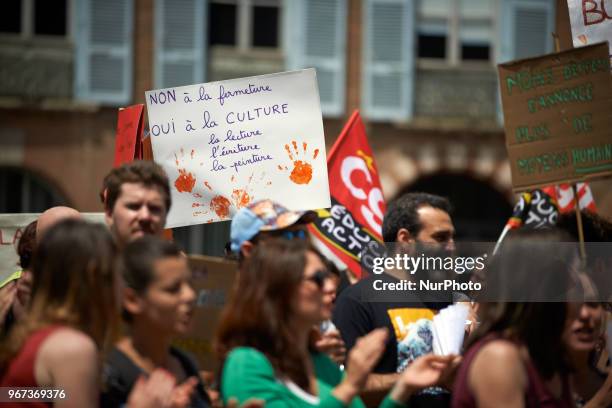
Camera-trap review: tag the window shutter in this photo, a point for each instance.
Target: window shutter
(316, 37)
(388, 59)
(180, 30)
(525, 31)
(104, 51)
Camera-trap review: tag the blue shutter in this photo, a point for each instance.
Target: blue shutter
(316, 37)
(388, 59)
(526, 28)
(180, 42)
(103, 38)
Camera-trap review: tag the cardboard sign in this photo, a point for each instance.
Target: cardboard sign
(213, 279)
(226, 144)
(558, 117)
(11, 228)
(128, 139)
(591, 22)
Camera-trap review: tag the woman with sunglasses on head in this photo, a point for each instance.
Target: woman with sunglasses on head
(158, 306)
(263, 338)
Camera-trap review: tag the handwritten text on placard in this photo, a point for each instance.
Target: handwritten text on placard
(227, 144)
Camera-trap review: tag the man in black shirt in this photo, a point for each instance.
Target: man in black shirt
(415, 218)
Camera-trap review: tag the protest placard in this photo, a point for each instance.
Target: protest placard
(128, 139)
(11, 228)
(213, 279)
(557, 116)
(226, 144)
(591, 22)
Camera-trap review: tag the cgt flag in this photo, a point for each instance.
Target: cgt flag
(350, 231)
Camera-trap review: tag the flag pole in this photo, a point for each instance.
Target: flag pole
(343, 134)
(501, 238)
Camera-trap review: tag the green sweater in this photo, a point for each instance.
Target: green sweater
(247, 373)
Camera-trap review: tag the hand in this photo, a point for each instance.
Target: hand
(154, 391)
(331, 343)
(603, 397)
(181, 394)
(364, 356)
(425, 371)
(7, 297)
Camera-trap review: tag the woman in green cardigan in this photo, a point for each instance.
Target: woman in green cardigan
(263, 338)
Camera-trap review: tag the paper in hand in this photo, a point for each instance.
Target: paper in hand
(449, 329)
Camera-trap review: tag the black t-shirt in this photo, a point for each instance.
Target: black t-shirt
(359, 310)
(120, 373)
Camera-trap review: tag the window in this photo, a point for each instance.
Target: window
(456, 31)
(50, 17)
(30, 18)
(245, 24)
(23, 192)
(10, 18)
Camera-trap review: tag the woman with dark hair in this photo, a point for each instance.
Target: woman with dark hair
(516, 357)
(72, 315)
(263, 338)
(158, 305)
(592, 388)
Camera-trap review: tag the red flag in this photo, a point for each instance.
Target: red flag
(564, 195)
(128, 139)
(353, 224)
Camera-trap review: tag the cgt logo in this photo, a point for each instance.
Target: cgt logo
(364, 189)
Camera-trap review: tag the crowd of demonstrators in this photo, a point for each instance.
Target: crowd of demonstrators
(158, 305)
(263, 337)
(412, 218)
(287, 337)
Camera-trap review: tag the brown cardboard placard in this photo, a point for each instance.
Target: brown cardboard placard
(213, 279)
(558, 116)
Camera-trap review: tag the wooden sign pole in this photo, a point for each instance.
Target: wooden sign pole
(574, 185)
(579, 222)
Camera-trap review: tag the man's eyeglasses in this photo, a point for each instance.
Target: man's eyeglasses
(319, 278)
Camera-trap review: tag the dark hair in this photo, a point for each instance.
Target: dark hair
(139, 257)
(595, 227)
(530, 261)
(26, 245)
(146, 172)
(75, 271)
(403, 213)
(259, 313)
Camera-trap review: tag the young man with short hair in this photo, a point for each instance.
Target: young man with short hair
(137, 200)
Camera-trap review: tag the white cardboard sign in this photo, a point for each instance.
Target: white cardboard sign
(591, 21)
(226, 144)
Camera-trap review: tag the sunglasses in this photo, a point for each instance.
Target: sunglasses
(319, 278)
(289, 235)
